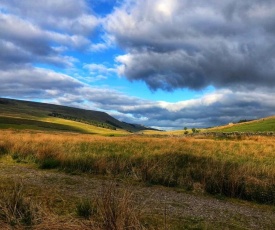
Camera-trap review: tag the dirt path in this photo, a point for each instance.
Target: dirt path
(154, 200)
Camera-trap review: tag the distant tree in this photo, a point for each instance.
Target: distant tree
(194, 130)
(185, 128)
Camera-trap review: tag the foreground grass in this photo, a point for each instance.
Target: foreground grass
(110, 209)
(31, 198)
(243, 169)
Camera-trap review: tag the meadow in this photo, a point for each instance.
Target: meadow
(53, 124)
(261, 125)
(243, 169)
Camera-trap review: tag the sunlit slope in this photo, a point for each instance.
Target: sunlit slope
(85, 128)
(22, 115)
(54, 124)
(35, 110)
(166, 133)
(261, 125)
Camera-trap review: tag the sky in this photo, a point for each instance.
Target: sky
(166, 64)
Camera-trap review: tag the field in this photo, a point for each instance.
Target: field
(76, 119)
(256, 126)
(226, 169)
(53, 124)
(261, 125)
(72, 170)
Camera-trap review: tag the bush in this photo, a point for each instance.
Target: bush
(3, 149)
(85, 208)
(48, 163)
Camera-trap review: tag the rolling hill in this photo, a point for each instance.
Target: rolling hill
(261, 125)
(34, 115)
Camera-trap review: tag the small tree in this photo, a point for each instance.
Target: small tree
(185, 130)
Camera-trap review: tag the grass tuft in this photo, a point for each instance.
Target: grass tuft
(85, 208)
(112, 208)
(48, 163)
(16, 209)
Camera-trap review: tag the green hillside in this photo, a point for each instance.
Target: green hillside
(19, 114)
(261, 125)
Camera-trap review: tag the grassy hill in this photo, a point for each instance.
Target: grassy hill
(41, 116)
(262, 125)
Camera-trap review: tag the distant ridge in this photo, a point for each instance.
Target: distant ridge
(36, 109)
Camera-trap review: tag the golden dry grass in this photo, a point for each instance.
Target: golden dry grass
(235, 168)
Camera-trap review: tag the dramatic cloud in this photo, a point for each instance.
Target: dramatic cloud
(194, 44)
(32, 82)
(40, 31)
(68, 16)
(72, 52)
(47, 85)
(220, 107)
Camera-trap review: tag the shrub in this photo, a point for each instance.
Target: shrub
(48, 163)
(85, 208)
(3, 148)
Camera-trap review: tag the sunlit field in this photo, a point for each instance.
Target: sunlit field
(261, 125)
(54, 124)
(242, 169)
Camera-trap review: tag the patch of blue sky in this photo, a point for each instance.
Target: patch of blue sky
(103, 7)
(49, 67)
(140, 90)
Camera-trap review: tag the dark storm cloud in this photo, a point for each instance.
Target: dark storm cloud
(194, 44)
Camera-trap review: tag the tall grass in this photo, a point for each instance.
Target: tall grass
(234, 168)
(16, 209)
(116, 209)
